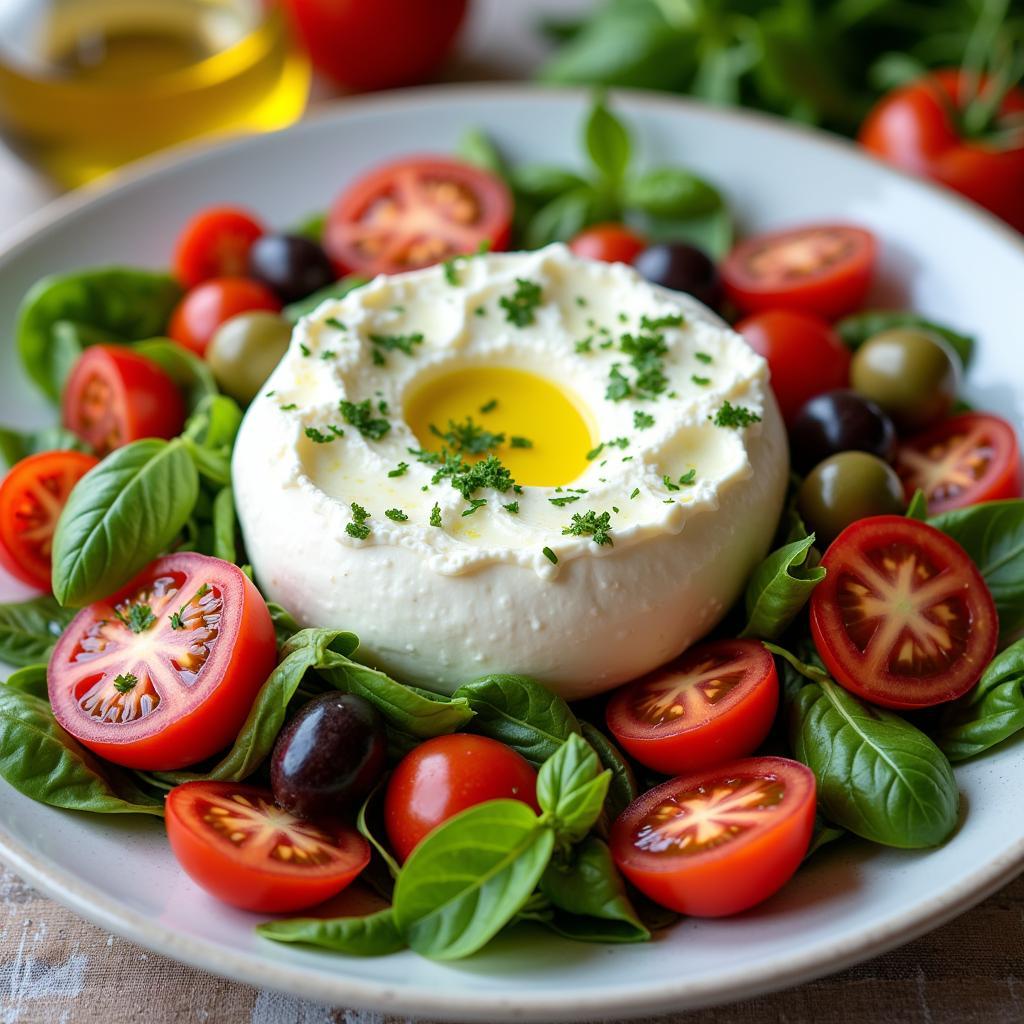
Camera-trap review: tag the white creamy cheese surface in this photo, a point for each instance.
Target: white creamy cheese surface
(691, 501)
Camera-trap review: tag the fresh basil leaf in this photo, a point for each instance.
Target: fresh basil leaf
(671, 192)
(67, 343)
(119, 517)
(372, 935)
(571, 789)
(39, 759)
(779, 589)
(857, 329)
(192, 374)
(918, 507)
(363, 825)
(562, 217)
(521, 713)
(987, 714)
(285, 625)
(117, 303)
(311, 227)
(590, 899)
(210, 434)
(542, 182)
(31, 680)
(224, 526)
(476, 148)
(15, 445)
(29, 629)
(993, 535)
(623, 789)
(607, 142)
(295, 311)
(470, 877)
(878, 776)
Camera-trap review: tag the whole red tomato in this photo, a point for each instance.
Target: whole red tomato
(920, 128)
(377, 44)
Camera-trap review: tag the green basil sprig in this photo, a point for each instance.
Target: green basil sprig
(372, 935)
(779, 588)
(29, 629)
(210, 437)
(857, 329)
(120, 516)
(192, 375)
(571, 789)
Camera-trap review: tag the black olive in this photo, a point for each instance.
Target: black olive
(683, 268)
(292, 266)
(329, 756)
(839, 421)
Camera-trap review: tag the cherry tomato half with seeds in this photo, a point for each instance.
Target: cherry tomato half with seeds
(32, 497)
(903, 618)
(444, 776)
(965, 460)
(197, 317)
(236, 843)
(610, 243)
(824, 269)
(713, 704)
(215, 243)
(114, 396)
(164, 673)
(721, 840)
(416, 212)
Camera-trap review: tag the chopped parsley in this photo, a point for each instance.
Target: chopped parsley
(177, 622)
(636, 492)
(642, 420)
(358, 528)
(480, 311)
(580, 301)
(520, 442)
(488, 473)
(618, 385)
(474, 504)
(615, 442)
(468, 437)
(139, 618)
(289, 407)
(319, 437)
(590, 524)
(700, 381)
(489, 406)
(702, 356)
(585, 345)
(333, 321)
(400, 470)
(735, 416)
(303, 348)
(550, 556)
(688, 478)
(657, 323)
(327, 354)
(383, 343)
(360, 416)
(512, 506)
(521, 307)
(396, 515)
(435, 515)
(450, 266)
(623, 318)
(125, 682)
(567, 499)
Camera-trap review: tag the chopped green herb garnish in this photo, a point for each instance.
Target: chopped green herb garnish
(450, 266)
(615, 442)
(590, 524)
(360, 416)
(512, 506)
(550, 556)
(636, 492)
(396, 515)
(393, 343)
(319, 437)
(669, 486)
(125, 682)
(520, 308)
(468, 437)
(656, 323)
(177, 622)
(520, 442)
(203, 590)
(358, 528)
(642, 420)
(700, 381)
(270, 393)
(623, 318)
(735, 416)
(580, 301)
(303, 348)
(327, 354)
(618, 385)
(289, 407)
(435, 515)
(568, 499)
(688, 478)
(139, 618)
(489, 406)
(702, 356)
(333, 321)
(400, 470)
(480, 311)
(585, 345)
(474, 504)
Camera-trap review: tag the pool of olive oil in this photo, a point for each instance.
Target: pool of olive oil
(88, 85)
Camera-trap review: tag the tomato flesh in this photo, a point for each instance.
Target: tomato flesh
(903, 618)
(414, 213)
(215, 243)
(610, 243)
(32, 496)
(713, 704)
(962, 461)
(824, 269)
(163, 674)
(718, 841)
(232, 840)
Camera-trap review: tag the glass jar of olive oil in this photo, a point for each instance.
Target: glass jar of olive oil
(88, 85)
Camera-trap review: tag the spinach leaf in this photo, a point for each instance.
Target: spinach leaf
(29, 629)
(623, 789)
(31, 680)
(671, 192)
(372, 935)
(192, 374)
(119, 517)
(993, 535)
(571, 789)
(15, 445)
(607, 143)
(470, 877)
(119, 304)
(779, 589)
(295, 311)
(878, 776)
(39, 759)
(856, 329)
(988, 714)
(224, 526)
(521, 713)
(589, 897)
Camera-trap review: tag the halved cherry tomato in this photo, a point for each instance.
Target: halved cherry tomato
(612, 243)
(32, 496)
(962, 461)
(903, 618)
(713, 704)
(805, 355)
(215, 243)
(719, 841)
(163, 673)
(415, 212)
(240, 847)
(446, 775)
(114, 396)
(824, 269)
(197, 317)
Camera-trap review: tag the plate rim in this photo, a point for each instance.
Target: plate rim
(262, 971)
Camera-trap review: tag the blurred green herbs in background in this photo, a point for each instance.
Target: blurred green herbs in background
(820, 61)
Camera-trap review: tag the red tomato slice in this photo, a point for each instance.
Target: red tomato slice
(114, 396)
(611, 243)
(824, 269)
(962, 461)
(903, 618)
(163, 673)
(32, 496)
(240, 847)
(416, 212)
(719, 841)
(215, 243)
(196, 318)
(713, 704)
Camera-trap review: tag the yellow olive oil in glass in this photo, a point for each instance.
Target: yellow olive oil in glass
(88, 85)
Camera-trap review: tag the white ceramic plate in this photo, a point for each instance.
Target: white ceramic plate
(940, 256)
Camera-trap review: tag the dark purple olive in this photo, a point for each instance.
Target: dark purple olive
(839, 421)
(328, 757)
(292, 266)
(683, 268)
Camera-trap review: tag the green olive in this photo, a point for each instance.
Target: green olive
(245, 350)
(847, 487)
(910, 372)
